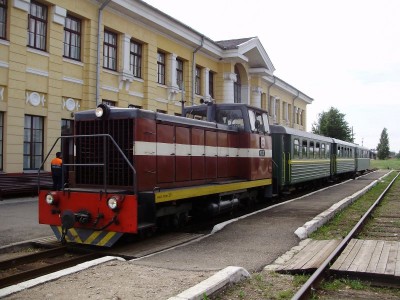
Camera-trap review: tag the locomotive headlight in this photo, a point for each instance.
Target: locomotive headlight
(102, 111)
(52, 198)
(113, 203)
(99, 112)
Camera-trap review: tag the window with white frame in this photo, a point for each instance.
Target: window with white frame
(136, 59)
(33, 142)
(110, 50)
(161, 68)
(197, 82)
(72, 38)
(179, 73)
(37, 26)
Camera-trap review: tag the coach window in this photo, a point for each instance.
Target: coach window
(304, 149)
(311, 151)
(323, 154)
(339, 152)
(296, 148)
(328, 151)
(317, 150)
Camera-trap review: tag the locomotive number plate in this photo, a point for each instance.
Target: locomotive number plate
(262, 153)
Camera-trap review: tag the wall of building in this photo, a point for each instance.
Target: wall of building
(56, 82)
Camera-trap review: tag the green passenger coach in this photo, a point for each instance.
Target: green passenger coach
(299, 157)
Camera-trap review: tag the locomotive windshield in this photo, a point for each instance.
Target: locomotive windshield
(258, 121)
(230, 117)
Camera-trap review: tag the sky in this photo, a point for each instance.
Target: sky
(342, 53)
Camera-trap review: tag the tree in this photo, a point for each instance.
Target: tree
(333, 124)
(383, 146)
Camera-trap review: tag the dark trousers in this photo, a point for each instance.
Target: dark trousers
(57, 182)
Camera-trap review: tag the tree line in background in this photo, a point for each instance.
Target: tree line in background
(333, 124)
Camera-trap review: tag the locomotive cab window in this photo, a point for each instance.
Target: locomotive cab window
(230, 117)
(258, 122)
(197, 114)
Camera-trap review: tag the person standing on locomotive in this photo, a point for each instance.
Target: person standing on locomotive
(56, 171)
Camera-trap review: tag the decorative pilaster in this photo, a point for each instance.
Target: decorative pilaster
(229, 80)
(126, 74)
(173, 88)
(256, 96)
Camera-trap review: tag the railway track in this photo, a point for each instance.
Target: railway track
(41, 262)
(323, 271)
(18, 269)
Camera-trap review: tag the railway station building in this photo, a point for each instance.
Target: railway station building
(59, 57)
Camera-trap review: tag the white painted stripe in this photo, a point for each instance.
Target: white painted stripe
(165, 149)
(198, 150)
(182, 150)
(211, 151)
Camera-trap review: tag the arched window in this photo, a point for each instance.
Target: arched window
(237, 87)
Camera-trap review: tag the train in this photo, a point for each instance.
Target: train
(128, 170)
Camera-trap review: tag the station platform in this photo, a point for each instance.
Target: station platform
(374, 260)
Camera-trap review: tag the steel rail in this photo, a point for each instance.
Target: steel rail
(23, 275)
(313, 282)
(26, 259)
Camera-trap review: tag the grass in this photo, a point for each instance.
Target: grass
(393, 164)
(343, 222)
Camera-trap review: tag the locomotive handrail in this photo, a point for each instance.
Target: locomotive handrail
(104, 135)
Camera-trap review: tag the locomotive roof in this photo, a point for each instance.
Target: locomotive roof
(133, 113)
(291, 131)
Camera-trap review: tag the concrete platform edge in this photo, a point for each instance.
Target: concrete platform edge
(304, 231)
(55, 275)
(214, 283)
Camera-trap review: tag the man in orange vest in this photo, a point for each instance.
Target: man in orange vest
(56, 171)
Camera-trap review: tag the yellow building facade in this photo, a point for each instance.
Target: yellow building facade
(58, 57)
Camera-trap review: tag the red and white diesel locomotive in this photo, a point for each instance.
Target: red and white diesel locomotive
(127, 169)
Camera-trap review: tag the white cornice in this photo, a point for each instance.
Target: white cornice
(73, 80)
(110, 88)
(37, 72)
